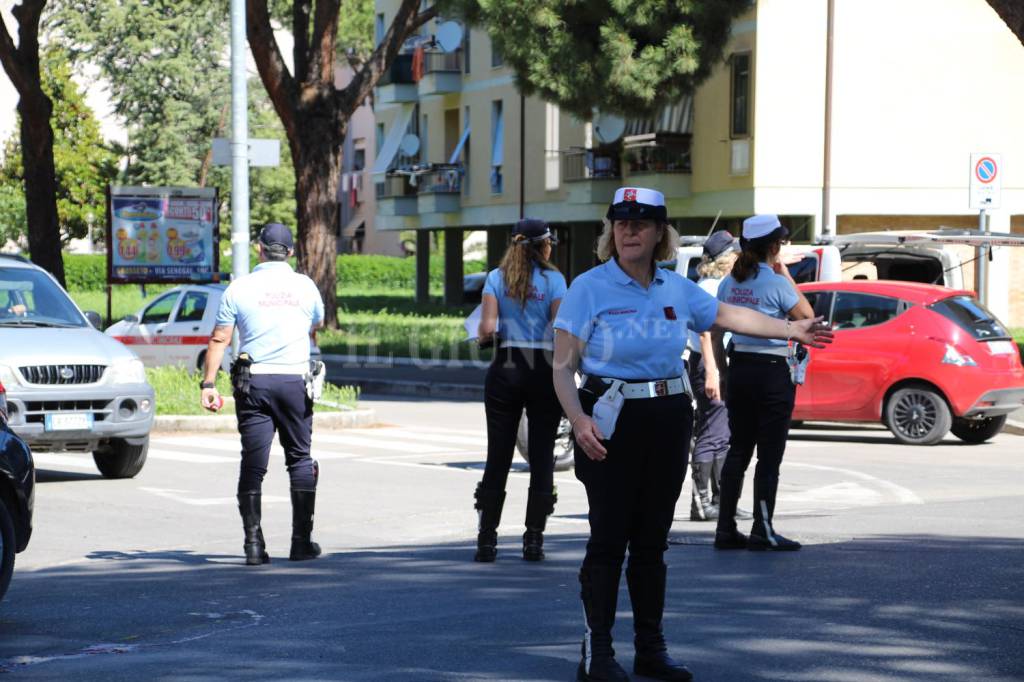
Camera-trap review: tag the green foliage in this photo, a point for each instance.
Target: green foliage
(390, 272)
(385, 335)
(85, 272)
(163, 63)
(355, 28)
(622, 56)
(83, 162)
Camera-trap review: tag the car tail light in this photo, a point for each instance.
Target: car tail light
(955, 357)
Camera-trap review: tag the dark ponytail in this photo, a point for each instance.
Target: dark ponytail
(754, 252)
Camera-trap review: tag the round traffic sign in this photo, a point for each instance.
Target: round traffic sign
(986, 169)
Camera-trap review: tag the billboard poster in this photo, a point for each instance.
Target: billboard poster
(162, 235)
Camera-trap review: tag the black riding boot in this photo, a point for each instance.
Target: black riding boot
(701, 506)
(303, 506)
(255, 548)
(726, 535)
(716, 489)
(647, 593)
(538, 507)
(599, 590)
(488, 506)
(762, 535)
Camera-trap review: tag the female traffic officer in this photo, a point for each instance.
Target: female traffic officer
(624, 324)
(711, 426)
(760, 391)
(520, 298)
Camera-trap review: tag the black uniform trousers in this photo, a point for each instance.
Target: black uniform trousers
(518, 379)
(760, 400)
(632, 493)
(276, 402)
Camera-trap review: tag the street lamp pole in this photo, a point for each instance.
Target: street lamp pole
(239, 145)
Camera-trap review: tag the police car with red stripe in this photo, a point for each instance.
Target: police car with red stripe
(174, 328)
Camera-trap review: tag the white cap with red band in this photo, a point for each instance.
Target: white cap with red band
(758, 226)
(640, 195)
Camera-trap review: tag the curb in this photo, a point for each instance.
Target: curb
(1014, 427)
(351, 419)
(383, 362)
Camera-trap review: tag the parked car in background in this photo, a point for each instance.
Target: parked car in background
(174, 328)
(17, 495)
(69, 386)
(473, 286)
(922, 359)
(811, 262)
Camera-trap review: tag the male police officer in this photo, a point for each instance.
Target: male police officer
(276, 311)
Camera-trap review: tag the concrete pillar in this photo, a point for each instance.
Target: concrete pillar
(422, 267)
(453, 267)
(497, 242)
(582, 244)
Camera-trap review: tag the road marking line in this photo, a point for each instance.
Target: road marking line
(904, 495)
(379, 444)
(419, 435)
(178, 456)
(172, 494)
(48, 460)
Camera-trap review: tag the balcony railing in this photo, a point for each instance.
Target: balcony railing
(441, 179)
(400, 72)
(395, 187)
(590, 164)
(657, 153)
(442, 62)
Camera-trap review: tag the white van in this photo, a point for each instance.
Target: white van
(820, 262)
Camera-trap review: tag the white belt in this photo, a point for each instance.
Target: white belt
(270, 368)
(651, 389)
(781, 351)
(512, 343)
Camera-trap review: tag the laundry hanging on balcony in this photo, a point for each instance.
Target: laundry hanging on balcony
(671, 118)
(389, 149)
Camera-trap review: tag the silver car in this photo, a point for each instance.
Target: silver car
(69, 386)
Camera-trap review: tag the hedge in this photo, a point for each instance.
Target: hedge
(87, 272)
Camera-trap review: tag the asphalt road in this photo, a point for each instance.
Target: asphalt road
(912, 568)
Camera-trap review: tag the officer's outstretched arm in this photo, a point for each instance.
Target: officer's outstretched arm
(810, 332)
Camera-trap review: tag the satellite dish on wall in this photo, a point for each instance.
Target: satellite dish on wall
(609, 127)
(449, 36)
(409, 145)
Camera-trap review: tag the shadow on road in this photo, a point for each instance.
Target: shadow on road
(55, 476)
(884, 608)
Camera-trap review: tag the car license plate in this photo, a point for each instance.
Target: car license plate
(74, 421)
(1001, 347)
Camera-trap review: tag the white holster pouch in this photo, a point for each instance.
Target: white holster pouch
(315, 380)
(607, 409)
(798, 359)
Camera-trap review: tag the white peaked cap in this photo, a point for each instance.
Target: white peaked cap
(640, 195)
(760, 225)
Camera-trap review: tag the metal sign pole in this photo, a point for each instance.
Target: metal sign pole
(982, 261)
(239, 150)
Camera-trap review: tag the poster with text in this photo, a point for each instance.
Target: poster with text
(162, 235)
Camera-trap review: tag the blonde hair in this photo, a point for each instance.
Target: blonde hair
(665, 249)
(716, 268)
(517, 265)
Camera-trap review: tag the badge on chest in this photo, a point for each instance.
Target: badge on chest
(670, 313)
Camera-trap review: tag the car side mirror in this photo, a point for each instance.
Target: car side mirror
(131, 318)
(94, 319)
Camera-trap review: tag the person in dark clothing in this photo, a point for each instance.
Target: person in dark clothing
(519, 300)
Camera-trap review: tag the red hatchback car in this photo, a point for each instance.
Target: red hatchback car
(920, 358)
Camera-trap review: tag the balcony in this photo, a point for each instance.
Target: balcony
(660, 161)
(440, 189)
(397, 84)
(442, 73)
(396, 196)
(592, 175)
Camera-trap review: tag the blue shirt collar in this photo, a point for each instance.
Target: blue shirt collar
(620, 276)
(272, 265)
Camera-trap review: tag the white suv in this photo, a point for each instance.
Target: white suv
(69, 386)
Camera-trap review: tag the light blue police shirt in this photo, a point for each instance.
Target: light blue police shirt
(630, 332)
(765, 292)
(532, 322)
(274, 308)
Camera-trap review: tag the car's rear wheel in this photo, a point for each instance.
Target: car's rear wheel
(918, 415)
(6, 548)
(121, 459)
(978, 430)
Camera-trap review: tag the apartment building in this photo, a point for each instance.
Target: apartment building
(916, 87)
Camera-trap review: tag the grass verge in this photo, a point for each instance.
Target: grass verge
(177, 392)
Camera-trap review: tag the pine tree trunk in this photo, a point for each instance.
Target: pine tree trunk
(317, 178)
(40, 181)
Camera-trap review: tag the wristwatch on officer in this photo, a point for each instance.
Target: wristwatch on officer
(207, 384)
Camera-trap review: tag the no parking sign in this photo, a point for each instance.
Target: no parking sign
(986, 180)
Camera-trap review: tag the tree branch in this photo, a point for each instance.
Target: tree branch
(10, 59)
(405, 23)
(300, 32)
(274, 73)
(325, 35)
